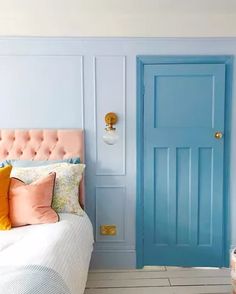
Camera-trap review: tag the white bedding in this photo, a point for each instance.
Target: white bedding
(65, 247)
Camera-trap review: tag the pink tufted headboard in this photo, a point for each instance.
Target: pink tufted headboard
(50, 144)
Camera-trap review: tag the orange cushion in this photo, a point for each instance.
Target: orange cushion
(31, 204)
(4, 186)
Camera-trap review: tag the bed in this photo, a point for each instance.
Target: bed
(46, 258)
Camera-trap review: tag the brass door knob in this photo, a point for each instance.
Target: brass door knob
(218, 135)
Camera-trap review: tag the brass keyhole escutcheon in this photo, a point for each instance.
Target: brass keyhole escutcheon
(218, 135)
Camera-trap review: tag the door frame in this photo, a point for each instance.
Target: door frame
(141, 61)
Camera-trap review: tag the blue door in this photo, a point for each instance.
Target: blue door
(183, 164)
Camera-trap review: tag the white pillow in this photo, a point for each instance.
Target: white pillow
(66, 190)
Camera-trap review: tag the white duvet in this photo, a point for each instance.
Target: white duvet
(64, 247)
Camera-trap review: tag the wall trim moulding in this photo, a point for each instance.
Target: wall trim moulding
(81, 57)
(82, 92)
(123, 218)
(77, 59)
(124, 93)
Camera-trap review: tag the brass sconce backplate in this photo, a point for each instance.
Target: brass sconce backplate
(111, 118)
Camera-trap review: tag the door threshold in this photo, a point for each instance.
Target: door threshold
(165, 268)
(154, 268)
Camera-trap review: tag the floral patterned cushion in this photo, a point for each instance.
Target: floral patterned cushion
(66, 190)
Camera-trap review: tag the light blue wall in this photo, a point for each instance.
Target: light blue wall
(73, 82)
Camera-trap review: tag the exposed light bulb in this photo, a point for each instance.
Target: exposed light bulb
(110, 137)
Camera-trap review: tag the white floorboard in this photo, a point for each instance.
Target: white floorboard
(143, 274)
(128, 283)
(161, 280)
(164, 290)
(200, 281)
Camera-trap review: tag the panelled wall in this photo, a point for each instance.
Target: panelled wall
(73, 83)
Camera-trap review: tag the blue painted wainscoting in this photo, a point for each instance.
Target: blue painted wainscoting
(74, 82)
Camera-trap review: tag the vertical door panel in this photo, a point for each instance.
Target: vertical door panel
(161, 175)
(205, 196)
(183, 173)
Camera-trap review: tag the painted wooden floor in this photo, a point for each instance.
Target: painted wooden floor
(159, 280)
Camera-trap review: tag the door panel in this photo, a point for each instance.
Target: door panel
(183, 164)
(161, 159)
(173, 90)
(182, 196)
(205, 196)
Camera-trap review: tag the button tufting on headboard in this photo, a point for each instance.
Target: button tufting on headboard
(41, 144)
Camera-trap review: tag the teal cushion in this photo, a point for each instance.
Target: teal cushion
(33, 163)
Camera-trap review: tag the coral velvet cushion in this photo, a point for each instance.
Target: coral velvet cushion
(31, 204)
(4, 209)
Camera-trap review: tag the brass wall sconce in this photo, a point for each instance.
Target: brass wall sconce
(110, 136)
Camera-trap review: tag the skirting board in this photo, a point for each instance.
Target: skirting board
(113, 259)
